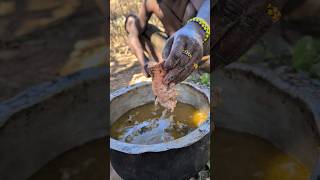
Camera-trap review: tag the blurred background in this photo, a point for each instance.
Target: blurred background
(294, 41)
(272, 92)
(42, 40)
(53, 89)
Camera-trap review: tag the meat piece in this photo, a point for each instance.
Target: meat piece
(166, 96)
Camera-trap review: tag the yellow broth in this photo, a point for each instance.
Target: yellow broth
(148, 124)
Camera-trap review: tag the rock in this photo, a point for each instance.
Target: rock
(7, 8)
(40, 5)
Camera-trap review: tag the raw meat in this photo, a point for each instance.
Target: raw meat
(166, 96)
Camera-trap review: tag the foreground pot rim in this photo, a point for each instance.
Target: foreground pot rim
(184, 141)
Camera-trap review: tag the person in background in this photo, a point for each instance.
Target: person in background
(183, 44)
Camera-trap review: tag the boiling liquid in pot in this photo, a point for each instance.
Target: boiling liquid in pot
(148, 124)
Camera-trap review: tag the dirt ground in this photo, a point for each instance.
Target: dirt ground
(38, 56)
(124, 67)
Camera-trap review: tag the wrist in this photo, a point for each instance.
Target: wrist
(197, 29)
(202, 26)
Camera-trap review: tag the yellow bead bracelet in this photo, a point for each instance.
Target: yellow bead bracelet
(204, 25)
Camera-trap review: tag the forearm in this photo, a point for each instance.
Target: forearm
(204, 11)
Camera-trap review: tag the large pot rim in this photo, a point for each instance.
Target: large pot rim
(184, 141)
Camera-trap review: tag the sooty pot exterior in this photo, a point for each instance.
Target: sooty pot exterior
(173, 164)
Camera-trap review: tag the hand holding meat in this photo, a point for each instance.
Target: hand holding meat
(182, 52)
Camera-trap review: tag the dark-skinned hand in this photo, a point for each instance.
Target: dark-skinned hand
(178, 65)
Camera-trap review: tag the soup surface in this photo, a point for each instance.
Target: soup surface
(245, 157)
(149, 124)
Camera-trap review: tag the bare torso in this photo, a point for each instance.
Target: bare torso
(173, 14)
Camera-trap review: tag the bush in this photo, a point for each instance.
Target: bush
(205, 79)
(306, 53)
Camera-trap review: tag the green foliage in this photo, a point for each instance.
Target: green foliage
(205, 79)
(305, 53)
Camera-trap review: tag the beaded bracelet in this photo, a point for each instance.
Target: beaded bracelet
(204, 25)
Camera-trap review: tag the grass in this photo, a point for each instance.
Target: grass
(200, 78)
(205, 79)
(306, 53)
